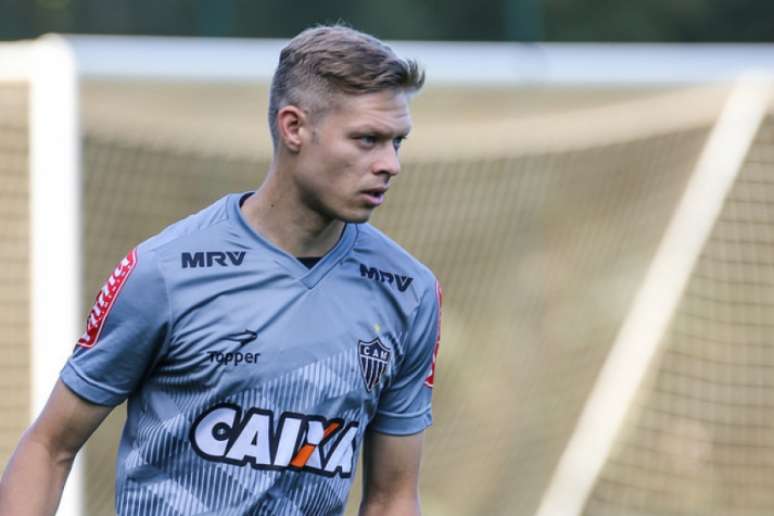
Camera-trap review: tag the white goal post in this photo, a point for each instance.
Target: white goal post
(644, 327)
(53, 66)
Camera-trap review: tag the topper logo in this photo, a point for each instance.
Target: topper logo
(401, 282)
(106, 297)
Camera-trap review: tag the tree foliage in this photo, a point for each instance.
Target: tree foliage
(460, 20)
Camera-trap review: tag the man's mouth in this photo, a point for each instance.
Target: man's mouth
(375, 196)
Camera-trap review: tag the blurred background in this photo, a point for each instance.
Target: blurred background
(540, 205)
(445, 20)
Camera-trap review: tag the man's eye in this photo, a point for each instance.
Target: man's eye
(397, 142)
(367, 139)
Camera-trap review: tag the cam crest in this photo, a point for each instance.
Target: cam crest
(374, 358)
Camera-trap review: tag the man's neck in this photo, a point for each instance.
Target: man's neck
(279, 216)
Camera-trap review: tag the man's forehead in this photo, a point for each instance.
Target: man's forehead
(387, 111)
(381, 125)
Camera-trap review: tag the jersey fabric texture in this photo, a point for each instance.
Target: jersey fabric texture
(251, 378)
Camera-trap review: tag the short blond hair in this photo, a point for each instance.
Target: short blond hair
(325, 60)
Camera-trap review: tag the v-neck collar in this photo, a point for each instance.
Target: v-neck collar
(308, 277)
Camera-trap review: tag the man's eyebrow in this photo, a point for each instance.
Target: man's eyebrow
(369, 129)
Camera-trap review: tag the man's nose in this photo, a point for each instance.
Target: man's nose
(388, 162)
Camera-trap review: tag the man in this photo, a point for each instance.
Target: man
(265, 340)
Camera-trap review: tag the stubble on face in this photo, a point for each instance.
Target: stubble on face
(352, 149)
(327, 177)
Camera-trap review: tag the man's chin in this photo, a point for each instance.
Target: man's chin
(358, 217)
(357, 220)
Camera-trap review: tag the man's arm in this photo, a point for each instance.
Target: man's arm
(35, 476)
(391, 474)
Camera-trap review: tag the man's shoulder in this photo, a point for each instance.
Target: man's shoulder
(380, 255)
(201, 226)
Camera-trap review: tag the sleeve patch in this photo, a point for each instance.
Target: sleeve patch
(430, 380)
(106, 297)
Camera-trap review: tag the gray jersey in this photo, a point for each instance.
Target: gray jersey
(251, 379)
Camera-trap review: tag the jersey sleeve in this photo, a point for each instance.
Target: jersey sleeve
(125, 331)
(405, 406)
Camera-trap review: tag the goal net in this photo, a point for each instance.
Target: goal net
(540, 204)
(696, 438)
(14, 269)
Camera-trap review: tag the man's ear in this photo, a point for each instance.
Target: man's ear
(291, 120)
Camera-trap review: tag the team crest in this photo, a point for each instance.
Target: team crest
(374, 357)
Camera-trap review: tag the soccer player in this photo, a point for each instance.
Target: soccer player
(265, 340)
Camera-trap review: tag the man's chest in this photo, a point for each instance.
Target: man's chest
(249, 330)
(278, 375)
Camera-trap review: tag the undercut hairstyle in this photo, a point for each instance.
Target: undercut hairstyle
(324, 61)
